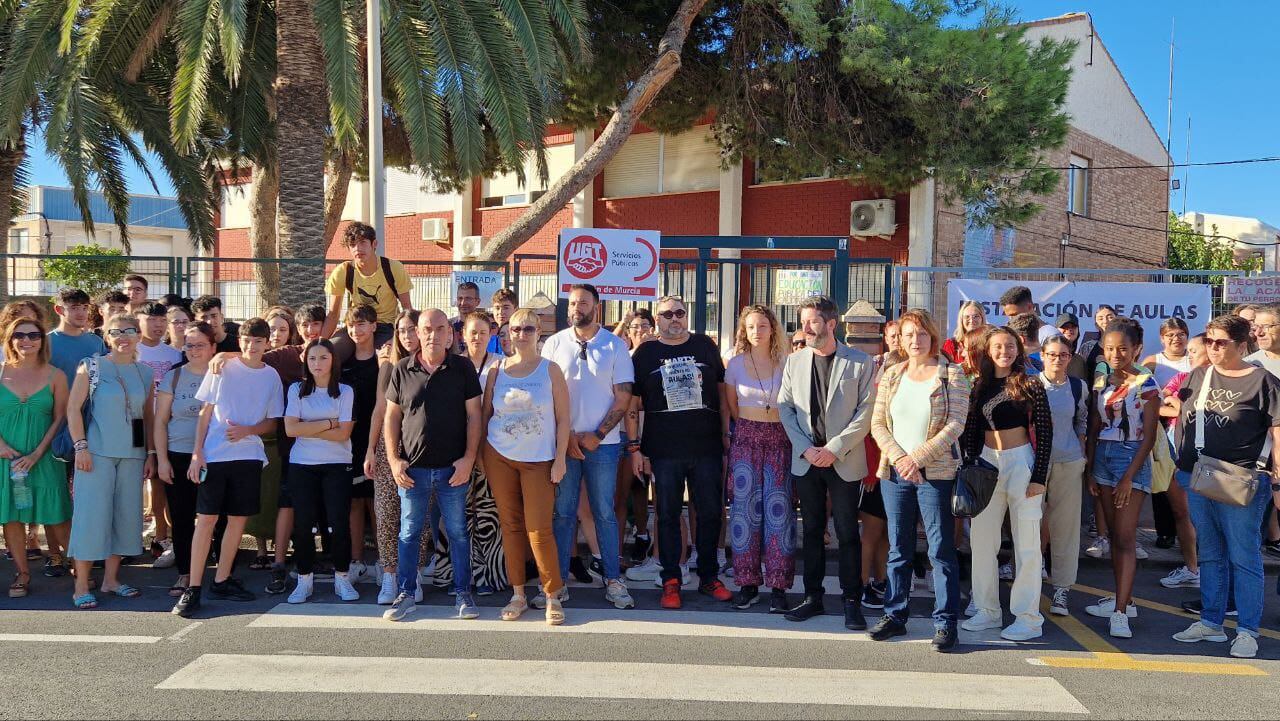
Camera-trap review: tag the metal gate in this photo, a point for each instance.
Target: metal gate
(27, 274)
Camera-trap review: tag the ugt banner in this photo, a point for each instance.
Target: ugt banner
(621, 264)
(1148, 303)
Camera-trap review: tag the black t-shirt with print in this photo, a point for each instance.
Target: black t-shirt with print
(680, 388)
(1241, 411)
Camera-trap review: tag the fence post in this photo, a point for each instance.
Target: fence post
(700, 291)
(840, 280)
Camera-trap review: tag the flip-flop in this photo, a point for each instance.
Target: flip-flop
(124, 590)
(85, 602)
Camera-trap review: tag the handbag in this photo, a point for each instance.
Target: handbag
(63, 447)
(975, 484)
(1216, 479)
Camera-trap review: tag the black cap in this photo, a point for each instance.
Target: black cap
(1067, 319)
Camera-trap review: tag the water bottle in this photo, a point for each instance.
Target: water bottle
(21, 491)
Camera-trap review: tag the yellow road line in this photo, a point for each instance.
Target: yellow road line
(1165, 608)
(1107, 657)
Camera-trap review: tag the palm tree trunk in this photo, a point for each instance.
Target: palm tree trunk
(262, 234)
(10, 160)
(335, 196)
(615, 133)
(302, 114)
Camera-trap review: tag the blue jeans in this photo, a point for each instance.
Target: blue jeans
(1229, 539)
(600, 471)
(705, 478)
(930, 502)
(452, 502)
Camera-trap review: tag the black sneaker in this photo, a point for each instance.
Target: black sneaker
(595, 569)
(279, 579)
(944, 639)
(579, 571)
(1166, 541)
(55, 566)
(853, 619)
(230, 590)
(1195, 607)
(886, 628)
(873, 594)
(747, 597)
(778, 601)
(188, 603)
(640, 549)
(1271, 547)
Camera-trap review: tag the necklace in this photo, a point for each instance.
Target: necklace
(768, 406)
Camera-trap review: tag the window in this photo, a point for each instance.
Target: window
(1078, 186)
(764, 174)
(19, 240)
(235, 206)
(651, 163)
(409, 193)
(505, 188)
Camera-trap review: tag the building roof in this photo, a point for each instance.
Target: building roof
(154, 211)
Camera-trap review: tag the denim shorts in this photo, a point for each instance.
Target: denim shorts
(1112, 460)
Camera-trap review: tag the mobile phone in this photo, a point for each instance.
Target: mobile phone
(204, 472)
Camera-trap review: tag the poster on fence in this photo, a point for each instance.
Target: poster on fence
(792, 287)
(1263, 290)
(1149, 303)
(621, 264)
(489, 282)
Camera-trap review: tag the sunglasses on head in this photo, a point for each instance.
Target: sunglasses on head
(28, 335)
(669, 314)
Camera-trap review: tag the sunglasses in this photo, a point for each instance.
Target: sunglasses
(28, 335)
(669, 314)
(798, 344)
(1218, 342)
(523, 329)
(126, 332)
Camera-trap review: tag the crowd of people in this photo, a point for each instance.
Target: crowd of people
(478, 453)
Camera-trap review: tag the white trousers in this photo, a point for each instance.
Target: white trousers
(1010, 495)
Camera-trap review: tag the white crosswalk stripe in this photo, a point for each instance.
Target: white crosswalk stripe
(669, 682)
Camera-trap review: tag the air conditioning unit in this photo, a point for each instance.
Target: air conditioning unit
(869, 218)
(468, 247)
(435, 230)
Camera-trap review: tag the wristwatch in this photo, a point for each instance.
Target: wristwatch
(599, 435)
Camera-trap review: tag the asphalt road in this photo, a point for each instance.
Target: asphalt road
(265, 659)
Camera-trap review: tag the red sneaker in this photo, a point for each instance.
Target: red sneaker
(716, 590)
(671, 593)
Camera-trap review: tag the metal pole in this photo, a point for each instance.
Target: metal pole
(377, 179)
(1168, 141)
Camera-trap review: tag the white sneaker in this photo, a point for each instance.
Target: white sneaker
(687, 576)
(1101, 548)
(1021, 631)
(1245, 646)
(356, 573)
(1107, 606)
(540, 601)
(1120, 626)
(982, 621)
(1181, 577)
(165, 559)
(343, 588)
(1006, 572)
(647, 571)
(427, 575)
(1140, 553)
(387, 593)
(972, 609)
(417, 594)
(1058, 606)
(1198, 631)
(302, 592)
(616, 593)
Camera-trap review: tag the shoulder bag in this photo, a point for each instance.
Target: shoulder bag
(63, 446)
(1216, 479)
(975, 479)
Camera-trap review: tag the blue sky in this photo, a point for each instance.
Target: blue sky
(1226, 77)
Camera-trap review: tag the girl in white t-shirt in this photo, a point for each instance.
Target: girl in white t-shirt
(318, 414)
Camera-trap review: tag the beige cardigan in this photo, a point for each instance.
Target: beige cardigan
(937, 457)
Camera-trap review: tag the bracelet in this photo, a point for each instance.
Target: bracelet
(81, 445)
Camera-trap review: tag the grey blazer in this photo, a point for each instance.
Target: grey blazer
(850, 400)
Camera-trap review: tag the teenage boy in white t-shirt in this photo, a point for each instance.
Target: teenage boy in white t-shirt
(240, 405)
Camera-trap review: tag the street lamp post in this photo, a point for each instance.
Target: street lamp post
(377, 179)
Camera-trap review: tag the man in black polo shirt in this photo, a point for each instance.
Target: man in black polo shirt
(433, 409)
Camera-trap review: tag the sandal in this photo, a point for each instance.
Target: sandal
(176, 590)
(124, 590)
(261, 563)
(515, 609)
(18, 589)
(86, 601)
(555, 611)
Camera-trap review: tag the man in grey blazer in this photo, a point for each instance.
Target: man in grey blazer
(826, 399)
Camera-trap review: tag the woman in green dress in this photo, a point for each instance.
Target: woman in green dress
(33, 399)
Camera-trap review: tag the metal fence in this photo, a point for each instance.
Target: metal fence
(926, 287)
(31, 275)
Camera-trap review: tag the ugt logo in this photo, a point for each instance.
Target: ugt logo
(585, 257)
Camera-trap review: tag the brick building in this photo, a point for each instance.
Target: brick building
(675, 184)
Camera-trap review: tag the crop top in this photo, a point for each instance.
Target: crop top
(751, 393)
(991, 409)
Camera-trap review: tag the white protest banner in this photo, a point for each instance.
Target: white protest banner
(621, 264)
(792, 287)
(1148, 303)
(489, 281)
(1263, 291)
